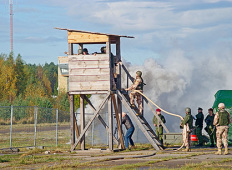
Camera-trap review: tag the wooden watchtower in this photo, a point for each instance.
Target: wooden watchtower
(93, 74)
(100, 73)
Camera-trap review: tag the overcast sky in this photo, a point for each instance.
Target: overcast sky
(158, 26)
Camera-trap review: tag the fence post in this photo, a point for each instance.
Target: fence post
(35, 115)
(11, 123)
(57, 112)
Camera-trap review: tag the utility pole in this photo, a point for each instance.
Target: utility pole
(11, 25)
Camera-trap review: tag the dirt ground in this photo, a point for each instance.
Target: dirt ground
(198, 158)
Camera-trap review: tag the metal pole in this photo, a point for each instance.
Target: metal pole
(36, 109)
(57, 112)
(11, 123)
(11, 25)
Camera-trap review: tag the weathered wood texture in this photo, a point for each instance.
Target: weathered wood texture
(89, 72)
(72, 123)
(79, 37)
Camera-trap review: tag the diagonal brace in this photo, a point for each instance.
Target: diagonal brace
(90, 122)
(100, 118)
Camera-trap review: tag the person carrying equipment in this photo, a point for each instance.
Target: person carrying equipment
(137, 85)
(157, 124)
(187, 124)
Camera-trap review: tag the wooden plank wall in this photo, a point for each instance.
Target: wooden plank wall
(89, 72)
(79, 37)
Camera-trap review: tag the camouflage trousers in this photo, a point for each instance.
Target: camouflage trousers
(133, 95)
(186, 136)
(159, 132)
(222, 134)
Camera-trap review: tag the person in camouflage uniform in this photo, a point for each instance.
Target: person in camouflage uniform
(222, 120)
(210, 128)
(187, 125)
(137, 85)
(199, 126)
(157, 124)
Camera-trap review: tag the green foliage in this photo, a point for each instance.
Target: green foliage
(24, 84)
(62, 101)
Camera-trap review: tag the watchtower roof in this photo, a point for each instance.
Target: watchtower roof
(87, 37)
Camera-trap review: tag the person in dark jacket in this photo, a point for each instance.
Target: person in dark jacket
(199, 126)
(210, 128)
(130, 130)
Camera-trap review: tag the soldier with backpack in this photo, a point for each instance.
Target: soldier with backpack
(222, 119)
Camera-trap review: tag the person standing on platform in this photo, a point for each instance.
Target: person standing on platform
(222, 119)
(158, 125)
(210, 128)
(130, 130)
(85, 51)
(199, 126)
(137, 85)
(187, 125)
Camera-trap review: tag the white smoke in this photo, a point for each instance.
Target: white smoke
(184, 80)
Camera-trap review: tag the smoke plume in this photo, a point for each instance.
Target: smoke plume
(183, 80)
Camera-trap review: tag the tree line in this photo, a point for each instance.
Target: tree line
(24, 84)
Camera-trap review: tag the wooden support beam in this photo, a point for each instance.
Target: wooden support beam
(108, 51)
(110, 118)
(70, 49)
(76, 129)
(119, 85)
(118, 49)
(120, 116)
(82, 118)
(118, 121)
(90, 122)
(72, 120)
(100, 118)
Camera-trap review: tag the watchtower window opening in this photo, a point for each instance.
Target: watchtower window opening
(63, 69)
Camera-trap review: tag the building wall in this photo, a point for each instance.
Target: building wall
(62, 80)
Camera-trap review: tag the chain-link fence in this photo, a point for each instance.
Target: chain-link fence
(23, 126)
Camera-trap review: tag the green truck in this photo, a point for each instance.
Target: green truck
(224, 96)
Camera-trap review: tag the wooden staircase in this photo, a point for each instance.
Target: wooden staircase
(140, 121)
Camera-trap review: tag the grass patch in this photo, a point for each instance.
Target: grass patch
(3, 159)
(208, 164)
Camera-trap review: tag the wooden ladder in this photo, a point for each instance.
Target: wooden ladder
(140, 121)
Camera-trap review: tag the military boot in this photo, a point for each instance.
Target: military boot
(226, 151)
(219, 152)
(187, 149)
